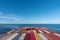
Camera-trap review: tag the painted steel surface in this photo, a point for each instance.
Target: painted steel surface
(36, 35)
(42, 36)
(10, 38)
(33, 33)
(22, 36)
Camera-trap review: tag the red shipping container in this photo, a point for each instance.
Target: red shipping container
(51, 36)
(27, 37)
(28, 31)
(32, 37)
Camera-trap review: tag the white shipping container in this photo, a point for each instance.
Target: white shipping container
(34, 31)
(46, 31)
(10, 38)
(57, 34)
(22, 36)
(42, 36)
(40, 31)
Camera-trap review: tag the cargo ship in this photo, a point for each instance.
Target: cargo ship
(30, 33)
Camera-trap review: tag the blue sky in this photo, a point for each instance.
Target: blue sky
(29, 11)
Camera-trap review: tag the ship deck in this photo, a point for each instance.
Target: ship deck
(30, 33)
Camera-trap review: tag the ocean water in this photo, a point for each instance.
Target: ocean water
(8, 27)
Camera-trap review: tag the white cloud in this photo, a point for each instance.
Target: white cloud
(10, 19)
(13, 19)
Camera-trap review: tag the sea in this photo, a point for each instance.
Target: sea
(8, 27)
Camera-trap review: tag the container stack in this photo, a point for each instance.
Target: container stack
(32, 33)
(22, 36)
